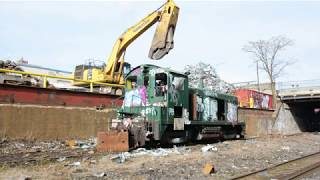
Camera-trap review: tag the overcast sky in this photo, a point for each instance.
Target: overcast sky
(63, 34)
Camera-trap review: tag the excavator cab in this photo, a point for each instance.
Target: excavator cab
(88, 69)
(162, 41)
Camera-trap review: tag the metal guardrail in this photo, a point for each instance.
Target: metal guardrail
(284, 85)
(45, 76)
(298, 84)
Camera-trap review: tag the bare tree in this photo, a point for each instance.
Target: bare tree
(267, 54)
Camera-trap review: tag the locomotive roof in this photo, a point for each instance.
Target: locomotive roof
(151, 66)
(214, 94)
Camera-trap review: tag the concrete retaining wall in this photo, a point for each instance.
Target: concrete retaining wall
(47, 123)
(258, 122)
(286, 122)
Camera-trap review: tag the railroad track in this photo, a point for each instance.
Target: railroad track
(293, 169)
(33, 157)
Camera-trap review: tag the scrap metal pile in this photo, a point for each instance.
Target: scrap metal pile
(18, 79)
(206, 73)
(10, 65)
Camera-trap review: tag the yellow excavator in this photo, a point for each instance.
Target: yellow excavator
(114, 71)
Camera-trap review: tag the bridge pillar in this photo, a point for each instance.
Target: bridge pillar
(286, 122)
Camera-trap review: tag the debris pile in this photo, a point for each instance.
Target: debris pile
(122, 157)
(15, 152)
(10, 65)
(22, 146)
(83, 144)
(207, 74)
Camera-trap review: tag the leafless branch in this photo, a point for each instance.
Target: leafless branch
(267, 53)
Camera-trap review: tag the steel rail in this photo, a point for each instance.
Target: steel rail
(288, 176)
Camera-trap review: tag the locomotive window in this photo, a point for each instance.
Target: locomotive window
(132, 82)
(146, 81)
(221, 110)
(178, 83)
(177, 112)
(161, 84)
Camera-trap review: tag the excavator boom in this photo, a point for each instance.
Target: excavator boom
(162, 41)
(113, 71)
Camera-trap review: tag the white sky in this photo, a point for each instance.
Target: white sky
(64, 34)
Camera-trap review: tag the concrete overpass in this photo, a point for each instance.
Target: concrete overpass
(299, 108)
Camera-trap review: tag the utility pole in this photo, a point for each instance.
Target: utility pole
(258, 76)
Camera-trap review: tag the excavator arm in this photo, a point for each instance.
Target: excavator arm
(162, 41)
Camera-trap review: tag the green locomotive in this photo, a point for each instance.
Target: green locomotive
(160, 106)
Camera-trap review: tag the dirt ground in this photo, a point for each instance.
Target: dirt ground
(20, 160)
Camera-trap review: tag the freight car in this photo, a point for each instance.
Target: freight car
(160, 106)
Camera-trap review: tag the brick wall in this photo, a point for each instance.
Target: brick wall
(46, 123)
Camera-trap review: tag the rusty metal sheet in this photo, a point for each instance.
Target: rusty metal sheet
(113, 141)
(12, 94)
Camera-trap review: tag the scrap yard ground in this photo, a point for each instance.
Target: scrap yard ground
(55, 160)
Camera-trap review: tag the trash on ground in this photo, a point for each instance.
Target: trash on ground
(122, 157)
(208, 147)
(75, 164)
(208, 169)
(61, 159)
(93, 162)
(90, 143)
(91, 152)
(287, 148)
(100, 174)
(71, 143)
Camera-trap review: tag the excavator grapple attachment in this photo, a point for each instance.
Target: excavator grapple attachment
(162, 41)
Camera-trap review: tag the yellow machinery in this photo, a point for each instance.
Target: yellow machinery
(113, 72)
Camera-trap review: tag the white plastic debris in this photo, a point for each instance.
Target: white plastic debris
(181, 150)
(160, 152)
(75, 164)
(208, 147)
(100, 174)
(85, 146)
(287, 148)
(61, 159)
(122, 157)
(235, 167)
